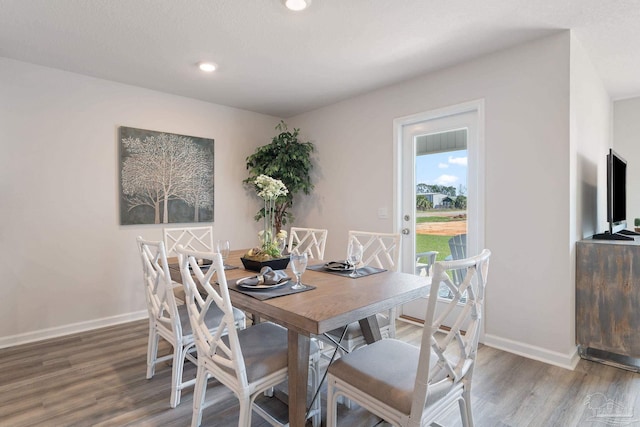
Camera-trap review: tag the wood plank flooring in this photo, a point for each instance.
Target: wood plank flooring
(97, 378)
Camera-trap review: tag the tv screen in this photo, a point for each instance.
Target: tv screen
(616, 192)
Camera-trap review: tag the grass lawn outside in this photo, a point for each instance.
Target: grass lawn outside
(427, 242)
(439, 240)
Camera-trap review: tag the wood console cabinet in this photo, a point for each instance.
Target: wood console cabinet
(608, 302)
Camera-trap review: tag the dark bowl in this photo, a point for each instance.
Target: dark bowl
(275, 264)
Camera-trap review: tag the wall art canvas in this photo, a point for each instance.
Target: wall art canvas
(164, 177)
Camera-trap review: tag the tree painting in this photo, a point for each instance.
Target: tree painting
(164, 177)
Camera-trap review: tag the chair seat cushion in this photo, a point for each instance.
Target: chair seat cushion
(386, 370)
(354, 330)
(212, 320)
(264, 348)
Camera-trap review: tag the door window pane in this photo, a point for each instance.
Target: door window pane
(441, 200)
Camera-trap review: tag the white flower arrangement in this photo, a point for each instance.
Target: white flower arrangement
(270, 188)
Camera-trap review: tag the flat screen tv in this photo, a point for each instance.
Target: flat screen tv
(616, 200)
(616, 192)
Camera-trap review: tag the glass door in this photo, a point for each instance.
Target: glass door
(439, 194)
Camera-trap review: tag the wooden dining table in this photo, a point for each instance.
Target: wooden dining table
(336, 301)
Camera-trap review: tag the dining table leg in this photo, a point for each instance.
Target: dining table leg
(370, 329)
(298, 353)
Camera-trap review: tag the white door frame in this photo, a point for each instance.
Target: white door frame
(475, 177)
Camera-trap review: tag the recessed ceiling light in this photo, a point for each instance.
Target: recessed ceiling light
(207, 67)
(297, 5)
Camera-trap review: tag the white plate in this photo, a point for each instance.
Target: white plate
(338, 266)
(263, 286)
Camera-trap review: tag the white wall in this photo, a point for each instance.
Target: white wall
(591, 137)
(66, 262)
(591, 118)
(526, 92)
(626, 141)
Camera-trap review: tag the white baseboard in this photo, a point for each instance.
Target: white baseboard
(73, 328)
(567, 361)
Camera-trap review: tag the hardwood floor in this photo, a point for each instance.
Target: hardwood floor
(97, 378)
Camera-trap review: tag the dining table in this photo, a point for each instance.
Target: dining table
(332, 301)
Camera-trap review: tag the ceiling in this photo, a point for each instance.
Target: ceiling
(282, 63)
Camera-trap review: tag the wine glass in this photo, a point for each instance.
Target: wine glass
(298, 265)
(354, 256)
(222, 246)
(282, 244)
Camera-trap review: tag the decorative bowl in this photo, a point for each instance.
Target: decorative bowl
(255, 265)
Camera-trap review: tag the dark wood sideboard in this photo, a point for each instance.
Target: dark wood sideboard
(608, 302)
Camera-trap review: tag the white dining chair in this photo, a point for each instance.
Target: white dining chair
(249, 361)
(309, 240)
(168, 320)
(198, 238)
(411, 386)
(380, 250)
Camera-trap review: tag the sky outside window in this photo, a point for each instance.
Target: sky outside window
(449, 169)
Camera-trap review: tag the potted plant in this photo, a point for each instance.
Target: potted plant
(636, 225)
(287, 160)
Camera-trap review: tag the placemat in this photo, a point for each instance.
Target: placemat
(264, 294)
(206, 267)
(361, 271)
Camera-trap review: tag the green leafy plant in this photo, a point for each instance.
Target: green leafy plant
(288, 159)
(636, 222)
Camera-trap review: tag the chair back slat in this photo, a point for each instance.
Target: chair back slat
(228, 358)
(192, 238)
(161, 301)
(309, 240)
(380, 250)
(455, 348)
(458, 248)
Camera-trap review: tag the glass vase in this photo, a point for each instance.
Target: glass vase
(267, 235)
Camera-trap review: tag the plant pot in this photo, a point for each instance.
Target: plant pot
(255, 265)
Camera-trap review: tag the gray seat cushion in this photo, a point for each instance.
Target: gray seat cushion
(264, 348)
(386, 370)
(214, 316)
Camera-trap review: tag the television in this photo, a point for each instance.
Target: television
(616, 199)
(616, 192)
